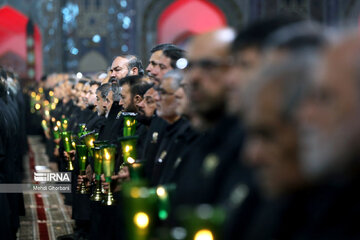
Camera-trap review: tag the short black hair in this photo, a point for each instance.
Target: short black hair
(256, 34)
(137, 85)
(171, 51)
(104, 90)
(93, 82)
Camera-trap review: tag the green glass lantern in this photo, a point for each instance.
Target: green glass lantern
(136, 171)
(128, 146)
(202, 222)
(64, 124)
(82, 155)
(97, 155)
(129, 124)
(108, 162)
(82, 128)
(139, 209)
(66, 138)
(89, 139)
(56, 132)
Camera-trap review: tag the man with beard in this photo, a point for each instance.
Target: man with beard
(163, 59)
(330, 145)
(125, 65)
(179, 136)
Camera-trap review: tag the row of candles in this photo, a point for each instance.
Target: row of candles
(143, 206)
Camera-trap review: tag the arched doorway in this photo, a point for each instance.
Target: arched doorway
(184, 18)
(13, 42)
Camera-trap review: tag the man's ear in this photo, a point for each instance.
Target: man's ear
(134, 71)
(137, 99)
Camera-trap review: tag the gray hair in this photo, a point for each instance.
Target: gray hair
(292, 78)
(115, 88)
(176, 75)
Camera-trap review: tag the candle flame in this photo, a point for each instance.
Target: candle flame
(204, 234)
(141, 220)
(128, 123)
(130, 160)
(107, 155)
(91, 142)
(56, 128)
(58, 123)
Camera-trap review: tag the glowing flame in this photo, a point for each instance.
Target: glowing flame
(107, 155)
(58, 123)
(37, 106)
(141, 220)
(56, 128)
(161, 192)
(128, 123)
(130, 160)
(204, 234)
(91, 142)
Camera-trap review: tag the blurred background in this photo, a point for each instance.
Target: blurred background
(44, 36)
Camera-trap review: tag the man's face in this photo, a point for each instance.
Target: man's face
(77, 93)
(126, 100)
(271, 146)
(99, 104)
(182, 101)
(108, 102)
(207, 56)
(91, 95)
(119, 68)
(331, 115)
(166, 104)
(246, 63)
(148, 105)
(83, 95)
(159, 64)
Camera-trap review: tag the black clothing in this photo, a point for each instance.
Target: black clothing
(153, 139)
(164, 149)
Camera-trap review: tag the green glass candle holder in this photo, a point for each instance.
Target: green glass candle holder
(74, 141)
(139, 204)
(64, 124)
(108, 162)
(129, 124)
(128, 146)
(202, 222)
(66, 138)
(89, 139)
(82, 127)
(82, 155)
(136, 171)
(56, 132)
(97, 195)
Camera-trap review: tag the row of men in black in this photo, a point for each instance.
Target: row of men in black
(13, 147)
(204, 164)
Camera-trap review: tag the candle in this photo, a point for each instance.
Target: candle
(129, 124)
(66, 136)
(97, 162)
(128, 145)
(56, 133)
(108, 156)
(82, 153)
